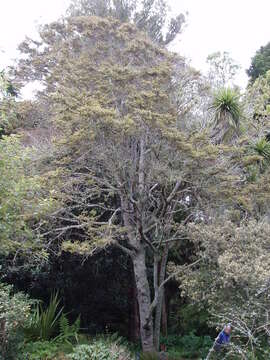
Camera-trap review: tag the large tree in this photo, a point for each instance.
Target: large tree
(132, 173)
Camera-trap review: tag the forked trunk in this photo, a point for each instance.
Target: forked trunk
(144, 300)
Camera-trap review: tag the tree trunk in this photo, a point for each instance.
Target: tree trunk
(144, 300)
(136, 317)
(164, 316)
(158, 313)
(134, 321)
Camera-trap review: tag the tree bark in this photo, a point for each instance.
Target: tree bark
(136, 317)
(164, 325)
(158, 313)
(144, 300)
(134, 321)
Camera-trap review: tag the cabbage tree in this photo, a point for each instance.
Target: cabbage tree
(227, 114)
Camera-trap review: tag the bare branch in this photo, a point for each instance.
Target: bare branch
(173, 193)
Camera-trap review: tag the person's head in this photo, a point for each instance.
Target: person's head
(228, 329)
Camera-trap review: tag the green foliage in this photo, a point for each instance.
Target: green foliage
(252, 171)
(45, 322)
(14, 314)
(187, 318)
(149, 356)
(260, 63)
(174, 355)
(43, 328)
(22, 198)
(6, 87)
(39, 350)
(101, 349)
(226, 106)
(234, 279)
(227, 114)
(193, 345)
(68, 333)
(7, 104)
(171, 355)
(96, 351)
(262, 148)
(257, 99)
(189, 346)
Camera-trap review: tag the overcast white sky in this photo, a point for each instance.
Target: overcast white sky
(237, 26)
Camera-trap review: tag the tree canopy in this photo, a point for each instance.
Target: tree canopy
(260, 63)
(150, 16)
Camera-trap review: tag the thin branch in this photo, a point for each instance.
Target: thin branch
(146, 239)
(173, 193)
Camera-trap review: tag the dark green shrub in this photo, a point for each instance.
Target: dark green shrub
(171, 341)
(149, 356)
(68, 333)
(193, 345)
(189, 346)
(187, 318)
(44, 322)
(39, 350)
(174, 355)
(51, 323)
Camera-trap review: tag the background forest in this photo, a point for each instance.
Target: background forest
(134, 193)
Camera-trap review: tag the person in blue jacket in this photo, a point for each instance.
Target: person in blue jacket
(224, 338)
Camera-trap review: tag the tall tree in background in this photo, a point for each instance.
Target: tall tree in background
(24, 197)
(222, 70)
(260, 63)
(8, 94)
(257, 99)
(150, 16)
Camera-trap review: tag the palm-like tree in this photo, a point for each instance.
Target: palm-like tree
(262, 148)
(227, 115)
